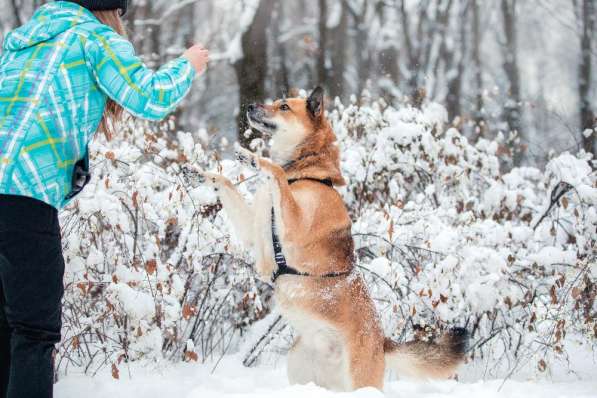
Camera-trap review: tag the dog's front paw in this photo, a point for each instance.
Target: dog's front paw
(248, 158)
(193, 176)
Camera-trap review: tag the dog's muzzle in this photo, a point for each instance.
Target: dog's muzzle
(258, 119)
(255, 113)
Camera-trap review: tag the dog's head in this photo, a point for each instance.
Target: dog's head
(289, 122)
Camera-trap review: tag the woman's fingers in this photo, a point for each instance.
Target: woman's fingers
(198, 56)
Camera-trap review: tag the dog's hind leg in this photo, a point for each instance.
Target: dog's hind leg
(300, 364)
(322, 362)
(365, 361)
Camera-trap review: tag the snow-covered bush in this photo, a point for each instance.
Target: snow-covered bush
(150, 270)
(443, 237)
(453, 241)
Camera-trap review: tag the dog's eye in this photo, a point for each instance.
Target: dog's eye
(284, 107)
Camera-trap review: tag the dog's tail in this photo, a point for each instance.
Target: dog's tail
(431, 360)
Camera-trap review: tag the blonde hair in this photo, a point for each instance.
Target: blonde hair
(113, 112)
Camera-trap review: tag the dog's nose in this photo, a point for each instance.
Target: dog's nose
(251, 108)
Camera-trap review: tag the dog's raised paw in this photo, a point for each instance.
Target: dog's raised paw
(247, 158)
(192, 176)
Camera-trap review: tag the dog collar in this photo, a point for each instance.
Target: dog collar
(291, 163)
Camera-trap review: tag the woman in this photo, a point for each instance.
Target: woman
(64, 74)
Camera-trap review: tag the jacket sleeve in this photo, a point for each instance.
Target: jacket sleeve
(123, 77)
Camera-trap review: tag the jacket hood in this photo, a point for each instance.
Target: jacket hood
(49, 21)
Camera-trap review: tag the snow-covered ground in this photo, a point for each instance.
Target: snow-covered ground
(231, 379)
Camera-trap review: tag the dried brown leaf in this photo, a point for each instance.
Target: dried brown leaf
(151, 266)
(191, 356)
(115, 372)
(188, 311)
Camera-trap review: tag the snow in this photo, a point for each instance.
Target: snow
(552, 255)
(136, 304)
(231, 379)
(570, 169)
(381, 266)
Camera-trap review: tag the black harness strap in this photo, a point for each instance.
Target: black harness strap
(283, 267)
(326, 181)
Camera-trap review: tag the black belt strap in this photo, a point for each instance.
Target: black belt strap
(81, 177)
(283, 267)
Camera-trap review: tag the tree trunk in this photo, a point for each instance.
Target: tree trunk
(452, 57)
(338, 50)
(155, 35)
(388, 62)
(142, 13)
(362, 49)
(191, 23)
(130, 18)
(587, 117)
(478, 69)
(281, 75)
(388, 56)
(412, 46)
(322, 73)
(251, 68)
(361, 38)
(15, 13)
(511, 108)
(187, 20)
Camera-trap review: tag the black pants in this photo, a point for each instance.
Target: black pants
(31, 288)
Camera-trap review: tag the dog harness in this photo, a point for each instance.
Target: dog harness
(283, 267)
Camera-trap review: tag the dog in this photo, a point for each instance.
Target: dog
(299, 230)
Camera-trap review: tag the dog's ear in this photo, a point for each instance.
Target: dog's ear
(315, 103)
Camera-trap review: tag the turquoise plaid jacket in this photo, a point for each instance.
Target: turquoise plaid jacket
(56, 74)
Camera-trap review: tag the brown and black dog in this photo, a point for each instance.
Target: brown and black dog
(300, 233)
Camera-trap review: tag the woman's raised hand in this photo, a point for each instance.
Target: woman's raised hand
(198, 56)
